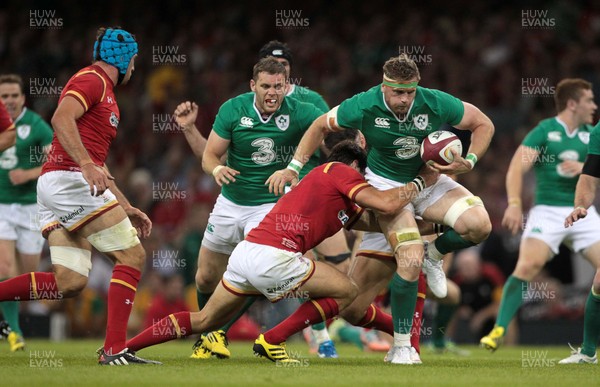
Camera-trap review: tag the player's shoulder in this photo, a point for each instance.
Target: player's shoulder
(432, 97)
(295, 105)
(91, 73)
(240, 102)
(547, 124)
(366, 99)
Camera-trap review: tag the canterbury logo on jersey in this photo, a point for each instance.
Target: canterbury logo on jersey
(246, 122)
(554, 136)
(382, 122)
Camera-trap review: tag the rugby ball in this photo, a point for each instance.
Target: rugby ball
(436, 147)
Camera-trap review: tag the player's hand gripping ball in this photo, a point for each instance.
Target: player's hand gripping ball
(437, 147)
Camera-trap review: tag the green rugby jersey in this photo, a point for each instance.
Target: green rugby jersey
(594, 146)
(258, 148)
(555, 145)
(33, 134)
(306, 95)
(394, 144)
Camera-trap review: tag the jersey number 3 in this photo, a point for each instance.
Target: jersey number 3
(265, 153)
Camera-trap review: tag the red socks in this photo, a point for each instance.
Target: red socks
(174, 326)
(415, 333)
(30, 286)
(378, 319)
(121, 294)
(309, 313)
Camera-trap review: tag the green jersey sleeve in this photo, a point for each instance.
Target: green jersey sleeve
(223, 124)
(535, 138)
(350, 113)
(45, 131)
(449, 108)
(320, 103)
(594, 145)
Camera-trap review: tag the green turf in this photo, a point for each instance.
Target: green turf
(46, 363)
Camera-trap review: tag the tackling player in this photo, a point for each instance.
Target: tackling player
(257, 131)
(20, 166)
(270, 260)
(555, 149)
(395, 116)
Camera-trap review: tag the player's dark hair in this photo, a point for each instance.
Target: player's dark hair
(401, 68)
(268, 65)
(333, 138)
(346, 152)
(277, 49)
(569, 88)
(13, 78)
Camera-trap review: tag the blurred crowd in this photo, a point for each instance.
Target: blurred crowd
(486, 53)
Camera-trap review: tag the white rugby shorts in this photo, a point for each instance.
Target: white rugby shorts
(64, 199)
(18, 222)
(546, 223)
(229, 223)
(255, 269)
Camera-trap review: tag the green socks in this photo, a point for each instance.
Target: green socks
(440, 323)
(449, 241)
(202, 299)
(512, 298)
(591, 325)
(403, 300)
(10, 311)
(239, 314)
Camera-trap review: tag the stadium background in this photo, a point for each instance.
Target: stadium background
(503, 56)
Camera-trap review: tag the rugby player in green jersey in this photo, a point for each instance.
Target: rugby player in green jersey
(257, 132)
(395, 116)
(555, 149)
(21, 242)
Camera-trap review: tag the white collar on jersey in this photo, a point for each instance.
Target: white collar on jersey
(21, 115)
(561, 122)
(394, 114)
(258, 113)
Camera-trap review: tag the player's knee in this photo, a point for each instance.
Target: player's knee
(69, 283)
(481, 230)
(352, 313)
(134, 257)
(206, 282)
(526, 271)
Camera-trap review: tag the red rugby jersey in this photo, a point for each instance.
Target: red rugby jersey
(316, 209)
(93, 89)
(6, 123)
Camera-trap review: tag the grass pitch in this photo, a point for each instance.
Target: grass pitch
(73, 363)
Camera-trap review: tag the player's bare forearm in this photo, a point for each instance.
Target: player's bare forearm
(521, 162)
(312, 139)
(481, 127)
(387, 202)
(7, 139)
(196, 141)
(585, 191)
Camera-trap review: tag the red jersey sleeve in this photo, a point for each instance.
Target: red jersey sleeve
(346, 179)
(6, 123)
(87, 87)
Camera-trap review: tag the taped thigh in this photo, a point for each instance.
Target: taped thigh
(459, 207)
(73, 258)
(121, 236)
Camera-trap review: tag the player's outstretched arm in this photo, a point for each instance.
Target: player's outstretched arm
(584, 197)
(186, 114)
(216, 148)
(522, 161)
(311, 140)
(391, 201)
(65, 126)
(482, 131)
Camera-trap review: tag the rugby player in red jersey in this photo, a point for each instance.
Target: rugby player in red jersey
(8, 135)
(270, 261)
(79, 203)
